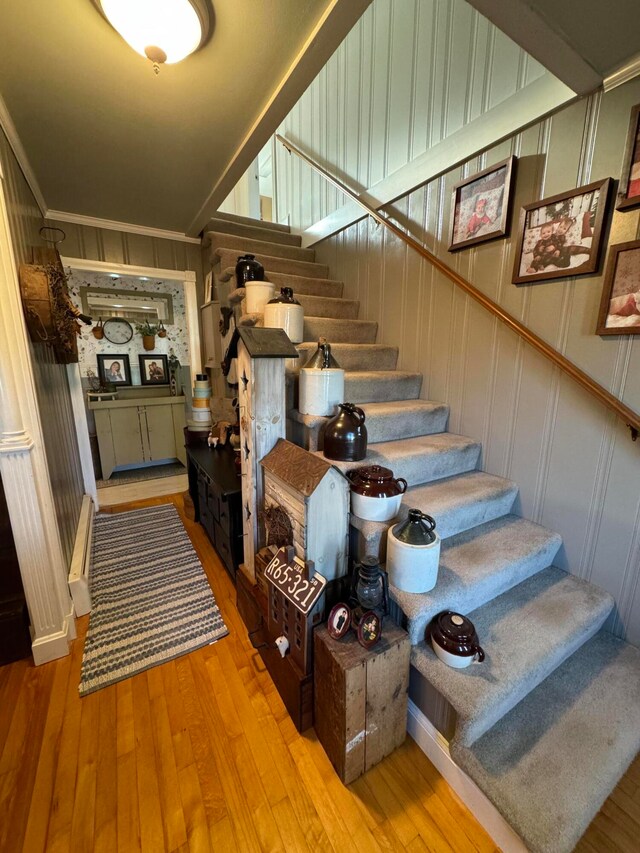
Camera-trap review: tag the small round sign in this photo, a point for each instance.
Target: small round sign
(369, 629)
(339, 621)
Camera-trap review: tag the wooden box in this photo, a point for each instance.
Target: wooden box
(360, 698)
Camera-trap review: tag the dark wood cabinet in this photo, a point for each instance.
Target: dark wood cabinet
(214, 486)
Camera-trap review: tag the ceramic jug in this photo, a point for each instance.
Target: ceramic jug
(285, 312)
(321, 382)
(375, 494)
(413, 553)
(248, 269)
(345, 435)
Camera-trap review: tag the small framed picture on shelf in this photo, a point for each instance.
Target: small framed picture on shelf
(560, 236)
(339, 621)
(620, 306)
(480, 206)
(114, 369)
(154, 369)
(629, 189)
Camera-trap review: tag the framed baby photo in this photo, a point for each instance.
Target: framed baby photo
(154, 369)
(620, 306)
(114, 369)
(480, 206)
(629, 188)
(560, 236)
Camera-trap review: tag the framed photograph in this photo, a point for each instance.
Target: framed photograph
(560, 236)
(114, 369)
(154, 369)
(480, 206)
(620, 306)
(339, 620)
(369, 629)
(629, 189)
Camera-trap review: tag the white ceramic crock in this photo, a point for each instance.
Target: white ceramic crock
(375, 509)
(258, 293)
(320, 390)
(456, 661)
(283, 315)
(412, 568)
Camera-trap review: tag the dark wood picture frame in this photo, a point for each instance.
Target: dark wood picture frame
(477, 189)
(629, 304)
(562, 210)
(631, 158)
(105, 360)
(144, 359)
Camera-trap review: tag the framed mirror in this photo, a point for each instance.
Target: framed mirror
(136, 306)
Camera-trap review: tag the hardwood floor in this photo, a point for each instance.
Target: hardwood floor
(199, 754)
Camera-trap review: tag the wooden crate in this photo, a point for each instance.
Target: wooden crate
(360, 698)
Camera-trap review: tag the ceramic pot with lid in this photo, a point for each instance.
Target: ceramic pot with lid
(413, 553)
(454, 639)
(375, 494)
(345, 435)
(248, 269)
(285, 312)
(321, 382)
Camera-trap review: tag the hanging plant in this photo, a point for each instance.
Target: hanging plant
(148, 332)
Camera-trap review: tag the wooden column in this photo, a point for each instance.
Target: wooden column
(261, 357)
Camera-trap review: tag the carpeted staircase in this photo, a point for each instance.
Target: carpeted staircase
(550, 721)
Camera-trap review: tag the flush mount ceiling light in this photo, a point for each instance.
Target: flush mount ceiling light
(162, 30)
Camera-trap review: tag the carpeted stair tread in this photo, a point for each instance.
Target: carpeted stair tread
(257, 231)
(247, 220)
(218, 240)
(550, 763)
(356, 357)
(526, 633)
(298, 283)
(226, 257)
(326, 306)
(456, 503)
(377, 386)
(340, 331)
(421, 459)
(388, 421)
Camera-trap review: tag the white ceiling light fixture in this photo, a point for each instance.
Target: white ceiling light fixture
(162, 30)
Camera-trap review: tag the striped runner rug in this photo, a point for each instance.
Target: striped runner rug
(150, 598)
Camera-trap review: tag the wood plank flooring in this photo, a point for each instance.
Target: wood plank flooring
(199, 754)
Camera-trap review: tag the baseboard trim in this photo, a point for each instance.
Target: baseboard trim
(79, 573)
(436, 748)
(54, 646)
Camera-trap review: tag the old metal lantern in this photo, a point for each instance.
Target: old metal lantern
(370, 588)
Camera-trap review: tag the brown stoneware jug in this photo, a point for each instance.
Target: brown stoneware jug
(345, 435)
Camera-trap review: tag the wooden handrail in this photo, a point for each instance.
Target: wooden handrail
(631, 418)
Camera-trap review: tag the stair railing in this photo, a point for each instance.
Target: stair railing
(631, 418)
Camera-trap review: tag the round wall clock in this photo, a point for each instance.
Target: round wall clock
(118, 331)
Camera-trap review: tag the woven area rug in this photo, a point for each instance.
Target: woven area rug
(150, 598)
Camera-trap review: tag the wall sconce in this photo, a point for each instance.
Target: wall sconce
(162, 30)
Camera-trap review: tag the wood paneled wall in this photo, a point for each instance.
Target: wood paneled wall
(52, 387)
(577, 468)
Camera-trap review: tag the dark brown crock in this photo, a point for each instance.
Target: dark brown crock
(374, 481)
(456, 634)
(345, 435)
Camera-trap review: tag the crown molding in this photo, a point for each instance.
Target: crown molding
(112, 225)
(9, 128)
(87, 265)
(623, 74)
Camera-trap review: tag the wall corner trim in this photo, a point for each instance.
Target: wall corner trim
(622, 74)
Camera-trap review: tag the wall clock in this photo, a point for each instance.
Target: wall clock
(118, 331)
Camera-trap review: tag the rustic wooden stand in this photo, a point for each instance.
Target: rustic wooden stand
(361, 698)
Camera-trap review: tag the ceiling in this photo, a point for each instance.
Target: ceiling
(106, 137)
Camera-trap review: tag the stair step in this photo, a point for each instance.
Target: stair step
(340, 331)
(254, 232)
(357, 357)
(327, 307)
(258, 248)
(551, 762)
(456, 503)
(421, 459)
(247, 220)
(227, 257)
(385, 421)
(379, 386)
(526, 633)
(298, 283)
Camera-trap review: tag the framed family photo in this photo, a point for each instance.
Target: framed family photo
(560, 236)
(114, 369)
(629, 189)
(154, 369)
(620, 306)
(480, 206)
